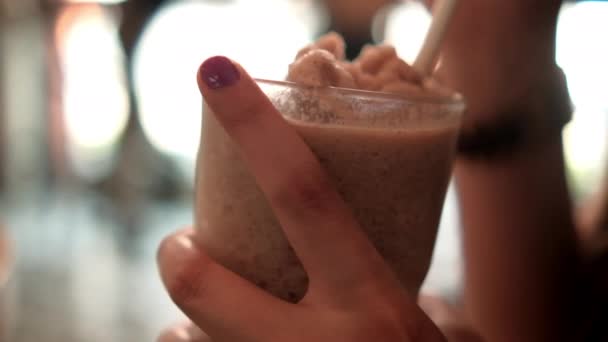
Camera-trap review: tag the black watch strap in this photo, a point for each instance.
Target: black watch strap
(541, 118)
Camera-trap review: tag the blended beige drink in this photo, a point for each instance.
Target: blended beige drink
(389, 156)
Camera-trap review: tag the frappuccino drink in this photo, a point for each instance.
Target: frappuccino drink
(383, 133)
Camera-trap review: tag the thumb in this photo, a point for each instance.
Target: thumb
(183, 332)
(223, 304)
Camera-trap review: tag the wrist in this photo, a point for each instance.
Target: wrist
(534, 120)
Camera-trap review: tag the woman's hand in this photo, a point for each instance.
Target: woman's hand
(452, 322)
(352, 294)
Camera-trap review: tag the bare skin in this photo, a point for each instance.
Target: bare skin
(519, 234)
(352, 295)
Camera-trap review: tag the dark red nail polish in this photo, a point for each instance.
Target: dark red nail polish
(218, 72)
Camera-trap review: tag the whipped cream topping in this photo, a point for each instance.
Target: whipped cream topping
(377, 68)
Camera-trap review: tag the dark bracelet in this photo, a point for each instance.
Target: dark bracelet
(492, 141)
(540, 120)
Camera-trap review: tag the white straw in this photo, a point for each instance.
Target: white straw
(427, 57)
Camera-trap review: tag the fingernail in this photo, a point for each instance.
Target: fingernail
(219, 72)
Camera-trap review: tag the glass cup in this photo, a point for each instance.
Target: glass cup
(389, 156)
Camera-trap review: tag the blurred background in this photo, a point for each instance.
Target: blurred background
(99, 126)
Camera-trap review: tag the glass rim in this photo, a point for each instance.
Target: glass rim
(455, 102)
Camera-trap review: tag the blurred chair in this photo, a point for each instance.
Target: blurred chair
(88, 64)
(23, 125)
(2, 109)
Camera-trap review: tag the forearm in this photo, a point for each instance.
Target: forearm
(496, 51)
(519, 243)
(519, 237)
(498, 19)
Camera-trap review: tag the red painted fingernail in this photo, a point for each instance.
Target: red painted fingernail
(219, 72)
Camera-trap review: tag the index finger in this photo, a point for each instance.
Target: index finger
(315, 219)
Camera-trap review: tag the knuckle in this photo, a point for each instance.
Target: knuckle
(166, 249)
(306, 193)
(186, 281)
(188, 287)
(169, 335)
(248, 112)
(183, 332)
